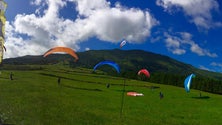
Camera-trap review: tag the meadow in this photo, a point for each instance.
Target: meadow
(34, 97)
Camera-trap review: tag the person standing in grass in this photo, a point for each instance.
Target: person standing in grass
(161, 95)
(107, 85)
(11, 76)
(59, 80)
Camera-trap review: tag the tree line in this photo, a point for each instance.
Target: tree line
(199, 82)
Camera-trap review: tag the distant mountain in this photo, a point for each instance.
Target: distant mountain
(163, 69)
(128, 60)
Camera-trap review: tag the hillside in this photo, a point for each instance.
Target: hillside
(35, 98)
(163, 69)
(128, 60)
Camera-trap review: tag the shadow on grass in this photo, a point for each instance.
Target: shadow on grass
(101, 83)
(57, 76)
(86, 74)
(150, 87)
(4, 78)
(72, 87)
(2, 123)
(201, 97)
(92, 82)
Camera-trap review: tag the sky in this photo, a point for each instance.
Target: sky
(189, 31)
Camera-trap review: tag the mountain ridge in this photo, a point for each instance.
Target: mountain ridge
(163, 69)
(129, 60)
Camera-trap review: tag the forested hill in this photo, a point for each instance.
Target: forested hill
(128, 60)
(163, 69)
(133, 60)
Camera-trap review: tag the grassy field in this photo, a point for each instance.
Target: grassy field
(35, 98)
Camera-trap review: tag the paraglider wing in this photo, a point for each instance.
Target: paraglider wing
(187, 82)
(134, 94)
(145, 72)
(62, 49)
(3, 6)
(111, 63)
(122, 43)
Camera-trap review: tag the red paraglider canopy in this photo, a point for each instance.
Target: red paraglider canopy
(145, 72)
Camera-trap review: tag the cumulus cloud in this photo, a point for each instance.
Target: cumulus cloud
(214, 66)
(204, 68)
(217, 66)
(174, 45)
(179, 42)
(200, 51)
(199, 11)
(35, 33)
(36, 2)
(87, 49)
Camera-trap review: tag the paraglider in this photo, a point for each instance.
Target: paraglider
(161, 95)
(187, 82)
(62, 49)
(3, 6)
(111, 63)
(145, 72)
(134, 94)
(122, 43)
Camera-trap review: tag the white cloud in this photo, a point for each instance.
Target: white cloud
(35, 33)
(174, 46)
(204, 68)
(87, 7)
(87, 49)
(36, 2)
(179, 42)
(200, 11)
(200, 51)
(18, 46)
(216, 64)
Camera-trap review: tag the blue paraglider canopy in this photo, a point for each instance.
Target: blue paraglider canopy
(111, 63)
(187, 82)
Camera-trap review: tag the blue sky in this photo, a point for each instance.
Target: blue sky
(186, 30)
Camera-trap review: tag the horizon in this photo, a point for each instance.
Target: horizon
(173, 28)
(59, 53)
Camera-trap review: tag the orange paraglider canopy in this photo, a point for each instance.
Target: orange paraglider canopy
(62, 49)
(134, 94)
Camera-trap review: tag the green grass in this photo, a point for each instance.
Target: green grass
(34, 97)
